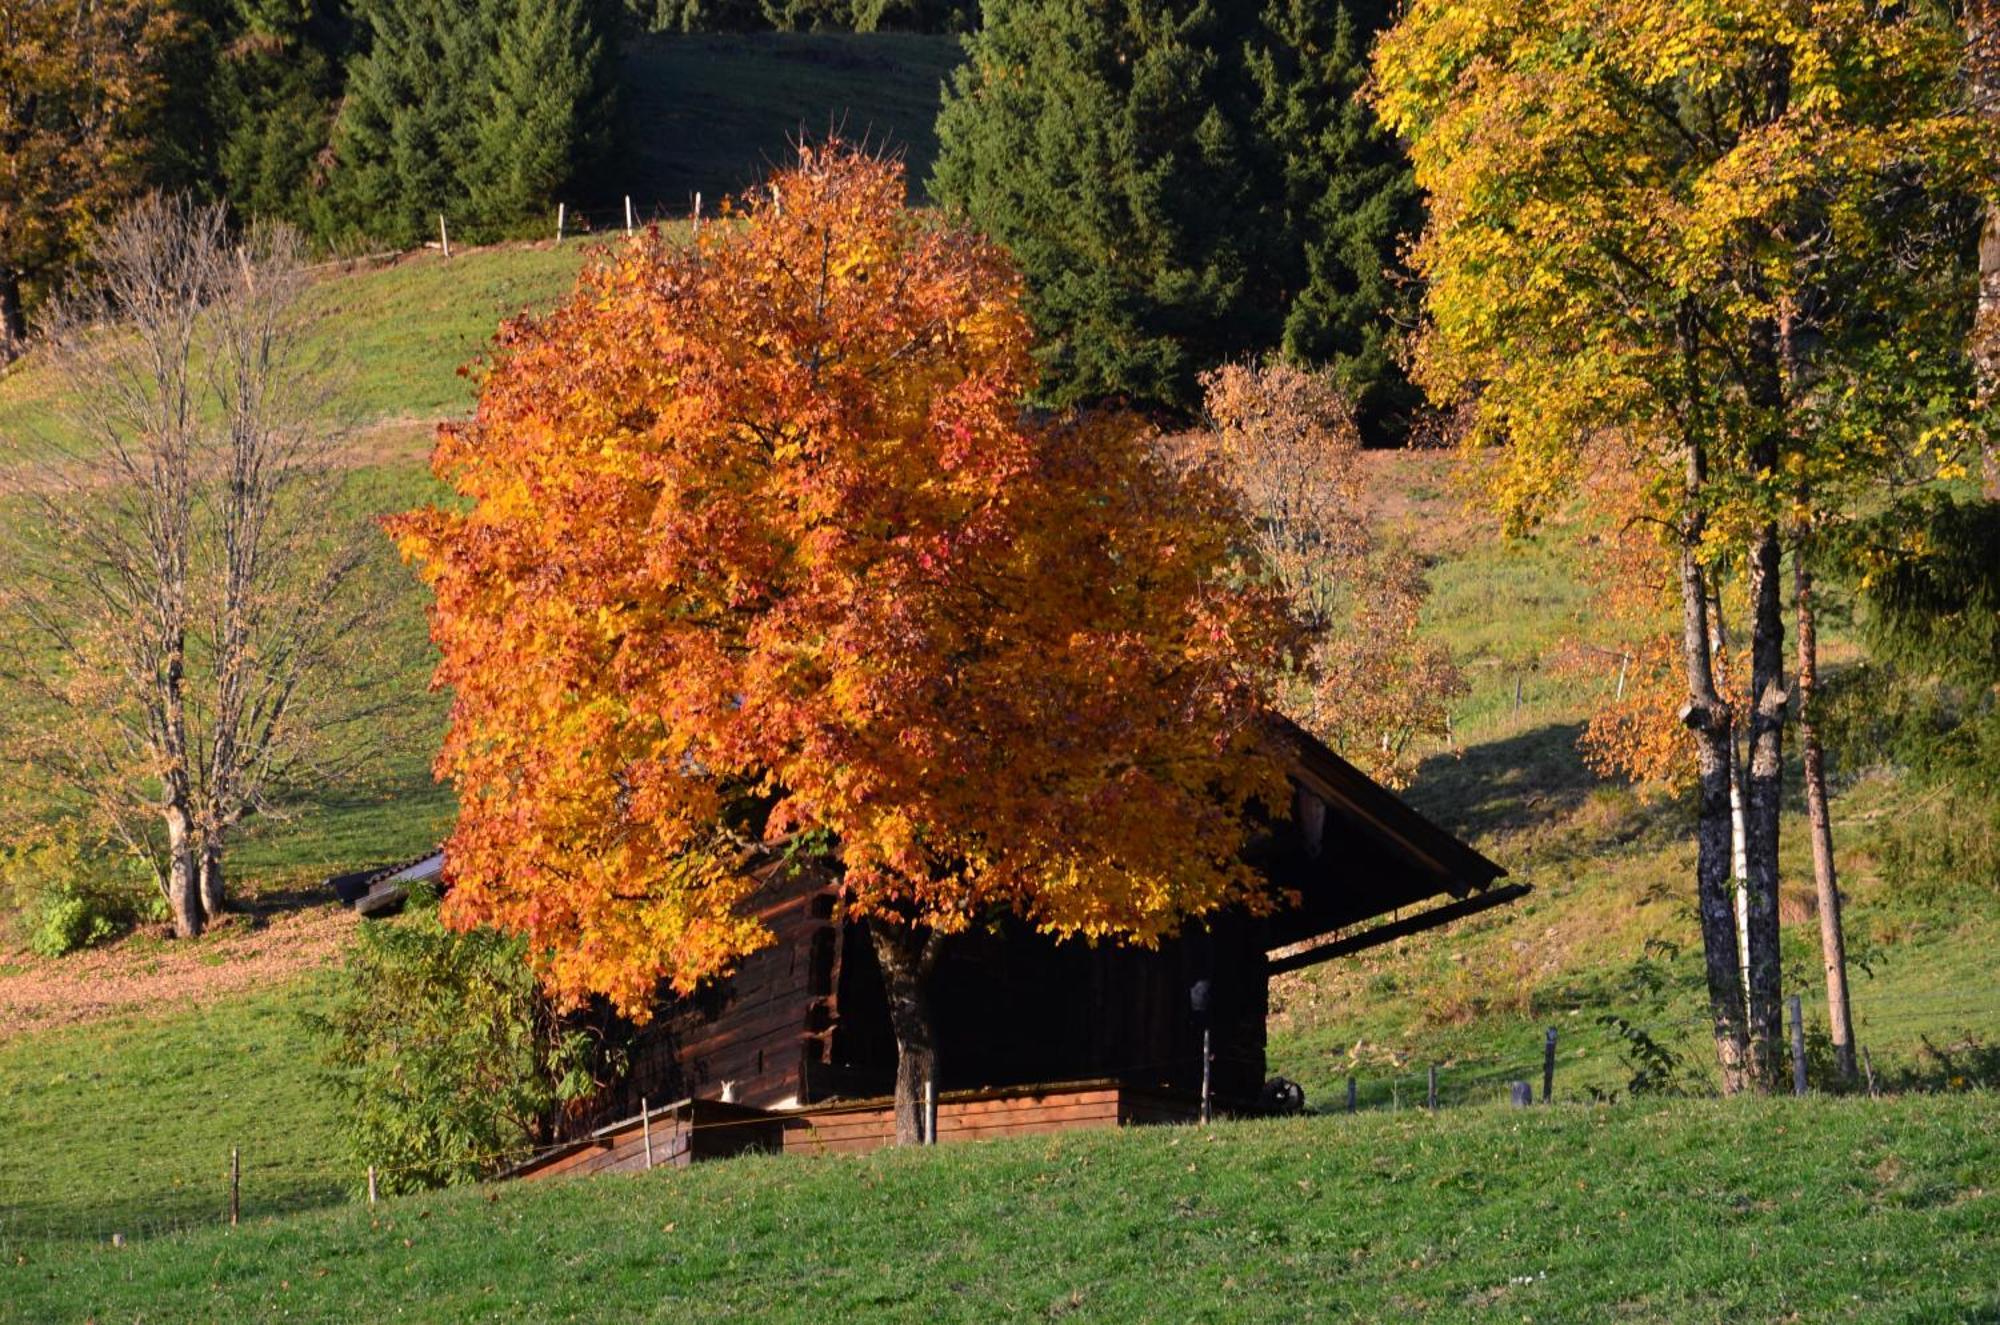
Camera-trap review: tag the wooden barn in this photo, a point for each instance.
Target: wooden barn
(794, 1051)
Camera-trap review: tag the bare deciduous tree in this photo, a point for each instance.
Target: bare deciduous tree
(186, 610)
(1284, 438)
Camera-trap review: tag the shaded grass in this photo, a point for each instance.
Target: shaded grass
(713, 113)
(1843, 1210)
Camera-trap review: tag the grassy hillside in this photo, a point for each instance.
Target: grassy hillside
(1854, 1210)
(1611, 929)
(126, 1125)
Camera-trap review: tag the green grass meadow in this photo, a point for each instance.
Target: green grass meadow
(1690, 1212)
(125, 1126)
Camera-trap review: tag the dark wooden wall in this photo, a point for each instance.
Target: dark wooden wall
(1016, 1008)
(804, 1020)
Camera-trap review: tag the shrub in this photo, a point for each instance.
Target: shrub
(65, 922)
(453, 1063)
(69, 894)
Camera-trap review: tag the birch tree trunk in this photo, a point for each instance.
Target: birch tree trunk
(1763, 805)
(907, 956)
(1983, 85)
(1832, 940)
(1708, 718)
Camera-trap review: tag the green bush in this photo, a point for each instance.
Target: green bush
(452, 1062)
(67, 894)
(65, 922)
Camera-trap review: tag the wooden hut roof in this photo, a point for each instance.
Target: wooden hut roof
(1360, 854)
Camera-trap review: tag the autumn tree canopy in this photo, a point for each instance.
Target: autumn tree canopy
(756, 541)
(78, 80)
(1726, 237)
(1284, 437)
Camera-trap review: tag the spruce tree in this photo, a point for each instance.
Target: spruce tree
(1347, 199)
(1110, 148)
(276, 83)
(548, 118)
(1183, 182)
(484, 110)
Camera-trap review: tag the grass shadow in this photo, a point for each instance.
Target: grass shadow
(1509, 785)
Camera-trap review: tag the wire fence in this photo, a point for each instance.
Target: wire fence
(1943, 1044)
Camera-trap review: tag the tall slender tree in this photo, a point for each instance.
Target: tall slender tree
(1686, 225)
(185, 613)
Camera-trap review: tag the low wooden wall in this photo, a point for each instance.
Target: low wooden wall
(985, 1115)
(681, 1133)
(694, 1130)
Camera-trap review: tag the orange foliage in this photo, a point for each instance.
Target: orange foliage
(756, 540)
(1284, 438)
(1638, 734)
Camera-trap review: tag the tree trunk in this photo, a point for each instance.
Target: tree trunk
(183, 875)
(1983, 78)
(1986, 345)
(1764, 796)
(907, 955)
(214, 898)
(1708, 718)
(1832, 942)
(13, 317)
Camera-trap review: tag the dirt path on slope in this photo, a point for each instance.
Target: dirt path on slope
(276, 938)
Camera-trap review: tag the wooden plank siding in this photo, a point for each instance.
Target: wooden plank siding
(696, 1130)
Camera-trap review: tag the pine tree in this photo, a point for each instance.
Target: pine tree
(549, 115)
(484, 110)
(1109, 148)
(276, 84)
(1184, 183)
(1347, 198)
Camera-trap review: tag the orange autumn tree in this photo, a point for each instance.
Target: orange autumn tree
(757, 542)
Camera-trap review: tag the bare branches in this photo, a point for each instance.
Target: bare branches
(184, 598)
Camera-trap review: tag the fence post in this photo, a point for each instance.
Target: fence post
(1549, 1065)
(562, 211)
(444, 236)
(371, 1184)
(1798, 1048)
(1868, 1062)
(1431, 1096)
(235, 1185)
(697, 211)
(628, 213)
(1350, 1092)
(646, 1126)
